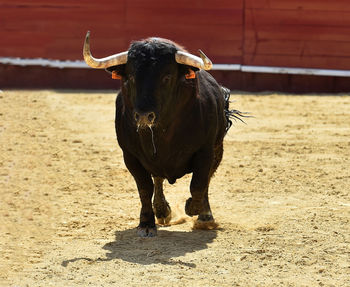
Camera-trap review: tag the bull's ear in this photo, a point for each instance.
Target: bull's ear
(190, 75)
(188, 71)
(117, 71)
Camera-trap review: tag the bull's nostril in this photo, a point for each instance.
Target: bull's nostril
(144, 119)
(151, 117)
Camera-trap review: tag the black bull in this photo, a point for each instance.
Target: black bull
(171, 119)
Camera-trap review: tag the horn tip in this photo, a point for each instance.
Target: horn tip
(207, 62)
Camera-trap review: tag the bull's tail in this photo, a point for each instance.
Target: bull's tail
(231, 114)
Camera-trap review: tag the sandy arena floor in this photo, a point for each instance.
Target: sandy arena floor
(69, 207)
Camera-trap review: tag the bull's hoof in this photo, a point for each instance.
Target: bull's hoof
(205, 224)
(147, 231)
(163, 214)
(164, 220)
(192, 207)
(205, 217)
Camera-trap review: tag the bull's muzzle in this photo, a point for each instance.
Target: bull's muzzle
(144, 119)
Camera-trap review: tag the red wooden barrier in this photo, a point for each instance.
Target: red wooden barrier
(56, 29)
(284, 33)
(296, 33)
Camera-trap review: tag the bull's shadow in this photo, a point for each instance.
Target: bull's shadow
(165, 248)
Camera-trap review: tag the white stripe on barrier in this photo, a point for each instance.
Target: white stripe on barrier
(296, 71)
(218, 67)
(44, 63)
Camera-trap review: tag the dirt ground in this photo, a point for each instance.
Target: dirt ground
(69, 207)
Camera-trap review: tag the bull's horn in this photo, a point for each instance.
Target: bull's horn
(114, 60)
(191, 60)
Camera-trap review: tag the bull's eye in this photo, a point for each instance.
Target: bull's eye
(166, 79)
(131, 79)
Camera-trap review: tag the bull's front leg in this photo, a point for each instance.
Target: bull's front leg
(144, 182)
(198, 204)
(161, 207)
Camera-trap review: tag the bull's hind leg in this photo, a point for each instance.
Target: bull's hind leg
(199, 203)
(205, 218)
(201, 208)
(161, 207)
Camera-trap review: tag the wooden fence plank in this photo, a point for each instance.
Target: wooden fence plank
(188, 16)
(183, 4)
(298, 33)
(269, 17)
(323, 5)
(301, 48)
(317, 62)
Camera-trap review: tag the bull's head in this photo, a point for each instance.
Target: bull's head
(150, 72)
